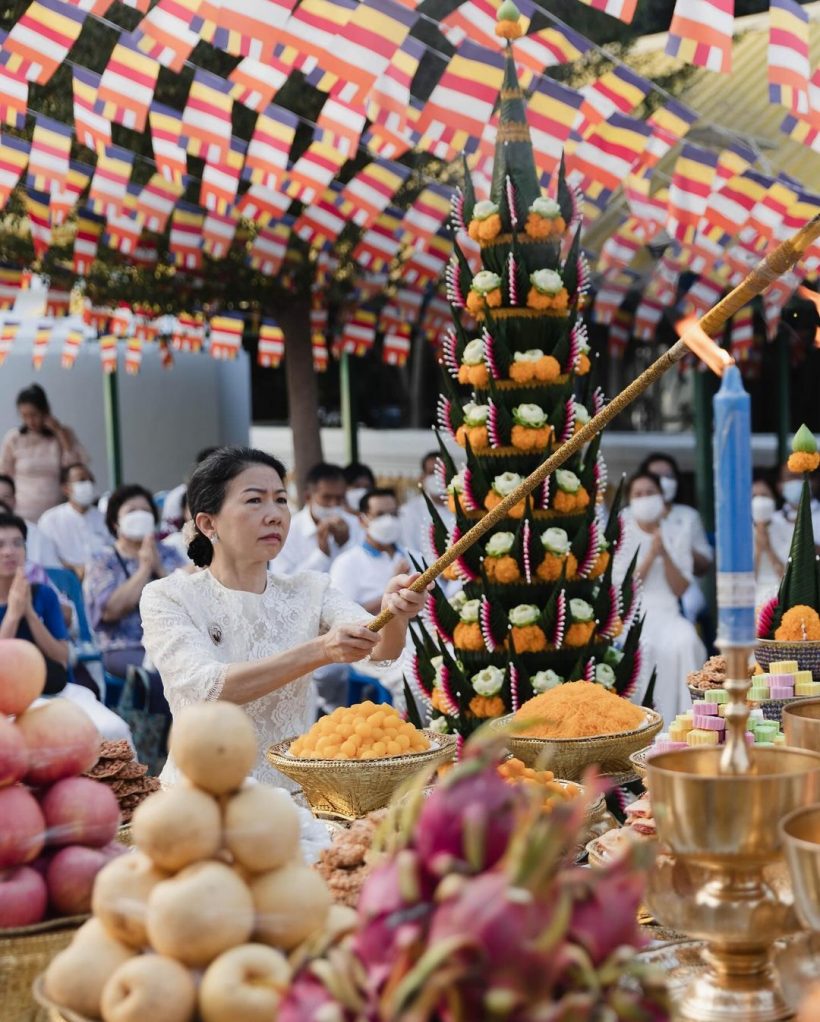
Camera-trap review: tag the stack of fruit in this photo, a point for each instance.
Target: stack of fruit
(56, 828)
(217, 865)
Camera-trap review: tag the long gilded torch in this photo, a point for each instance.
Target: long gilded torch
(696, 339)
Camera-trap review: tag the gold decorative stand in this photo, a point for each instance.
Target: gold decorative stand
(718, 811)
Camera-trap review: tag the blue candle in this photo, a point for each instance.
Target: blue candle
(733, 500)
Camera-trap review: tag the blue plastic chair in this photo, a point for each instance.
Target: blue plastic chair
(87, 650)
(361, 687)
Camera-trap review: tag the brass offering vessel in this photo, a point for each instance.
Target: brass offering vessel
(801, 724)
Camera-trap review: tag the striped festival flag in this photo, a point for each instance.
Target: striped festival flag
(220, 179)
(466, 93)
(358, 333)
(270, 146)
(156, 202)
(40, 39)
(323, 220)
(92, 129)
(742, 334)
(39, 221)
(620, 331)
(42, 335)
(609, 152)
(648, 316)
(11, 282)
(126, 89)
(108, 353)
(110, 182)
(343, 122)
(65, 197)
(185, 240)
(271, 347)
(789, 67)
(166, 134)
(262, 205)
(268, 250)
(244, 29)
(86, 241)
(255, 83)
(669, 124)
(206, 119)
(380, 244)
(57, 302)
(689, 191)
(48, 157)
(133, 355)
(370, 191)
(428, 212)
(168, 33)
(71, 348)
(624, 10)
(124, 227)
(315, 168)
(320, 353)
(396, 345)
(13, 161)
(551, 112)
(8, 333)
(226, 336)
(620, 90)
(701, 33)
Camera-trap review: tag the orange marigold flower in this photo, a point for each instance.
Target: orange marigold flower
(581, 497)
(451, 572)
(547, 369)
(477, 435)
(464, 373)
(522, 372)
(528, 439)
(516, 511)
(472, 229)
(564, 501)
(478, 375)
(490, 228)
(538, 227)
(579, 633)
(451, 502)
(528, 639)
(461, 434)
(484, 706)
(560, 301)
(549, 570)
(508, 30)
(493, 298)
(439, 701)
(467, 635)
(535, 300)
(502, 570)
(799, 624)
(584, 365)
(475, 303)
(803, 461)
(572, 566)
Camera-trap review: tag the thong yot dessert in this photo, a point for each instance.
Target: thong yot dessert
(580, 709)
(363, 731)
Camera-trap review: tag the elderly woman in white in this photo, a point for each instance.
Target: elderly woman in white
(240, 632)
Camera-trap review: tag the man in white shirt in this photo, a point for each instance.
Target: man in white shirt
(40, 549)
(77, 527)
(415, 515)
(322, 529)
(790, 487)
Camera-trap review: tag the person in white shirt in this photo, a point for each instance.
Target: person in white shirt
(77, 527)
(790, 486)
(173, 507)
(323, 528)
(772, 540)
(360, 480)
(415, 515)
(40, 550)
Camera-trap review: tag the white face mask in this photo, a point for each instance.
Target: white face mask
(762, 508)
(82, 492)
(322, 513)
(669, 488)
(433, 487)
(136, 524)
(791, 490)
(385, 530)
(354, 496)
(647, 509)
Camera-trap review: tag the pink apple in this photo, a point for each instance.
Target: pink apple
(13, 754)
(22, 827)
(70, 878)
(80, 811)
(62, 741)
(22, 675)
(23, 897)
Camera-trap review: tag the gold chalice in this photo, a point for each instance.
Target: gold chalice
(800, 831)
(801, 724)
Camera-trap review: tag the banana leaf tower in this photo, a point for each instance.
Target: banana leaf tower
(538, 606)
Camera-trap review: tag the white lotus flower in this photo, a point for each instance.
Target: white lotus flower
(475, 415)
(567, 481)
(485, 281)
(545, 207)
(604, 675)
(548, 282)
(524, 614)
(543, 681)
(500, 544)
(488, 682)
(532, 416)
(532, 355)
(473, 352)
(506, 483)
(555, 541)
(484, 209)
(469, 611)
(580, 610)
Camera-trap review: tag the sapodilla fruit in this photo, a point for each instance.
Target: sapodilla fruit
(246, 983)
(76, 977)
(291, 903)
(178, 826)
(214, 745)
(22, 675)
(62, 741)
(150, 988)
(199, 913)
(262, 828)
(120, 897)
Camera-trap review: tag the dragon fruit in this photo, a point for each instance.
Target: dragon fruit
(604, 915)
(308, 1000)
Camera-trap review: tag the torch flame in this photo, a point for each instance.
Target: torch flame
(701, 344)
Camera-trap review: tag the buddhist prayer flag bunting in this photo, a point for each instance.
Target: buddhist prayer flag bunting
(669, 124)
(220, 179)
(320, 353)
(270, 145)
(466, 93)
(389, 104)
(476, 20)
(185, 240)
(552, 110)
(71, 348)
(267, 252)
(366, 43)
(110, 181)
(206, 120)
(92, 129)
(396, 345)
(189, 332)
(371, 190)
(226, 336)
(13, 161)
(608, 300)
(124, 227)
(358, 333)
(427, 213)
(156, 201)
(256, 82)
(48, 157)
(8, 332)
(689, 191)
(42, 335)
(311, 29)
(701, 33)
(13, 99)
(39, 221)
(648, 316)
(702, 295)
(741, 334)
(437, 317)
(57, 302)
(121, 322)
(427, 264)
(315, 168)
(789, 67)
(728, 208)
(548, 47)
(244, 29)
(108, 353)
(133, 355)
(620, 248)
(169, 32)
(767, 214)
(169, 154)
(621, 9)
(324, 219)
(138, 5)
(271, 347)
(10, 284)
(65, 197)
(126, 89)
(801, 131)
(620, 330)
(648, 212)
(609, 152)
(40, 39)
(262, 204)
(617, 91)
(379, 245)
(344, 123)
(86, 241)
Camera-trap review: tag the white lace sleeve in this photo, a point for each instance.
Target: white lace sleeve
(181, 653)
(338, 609)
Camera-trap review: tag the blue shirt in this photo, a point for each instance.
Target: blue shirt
(47, 608)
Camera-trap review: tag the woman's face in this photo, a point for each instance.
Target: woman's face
(32, 418)
(137, 503)
(643, 487)
(253, 522)
(760, 488)
(12, 551)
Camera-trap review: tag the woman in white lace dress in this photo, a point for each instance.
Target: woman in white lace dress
(669, 641)
(240, 632)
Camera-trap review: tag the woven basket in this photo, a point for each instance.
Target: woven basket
(24, 954)
(50, 1010)
(807, 654)
(569, 757)
(353, 788)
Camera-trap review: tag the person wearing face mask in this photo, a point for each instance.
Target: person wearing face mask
(359, 480)
(669, 641)
(323, 528)
(415, 515)
(116, 576)
(76, 527)
(40, 550)
(772, 541)
(790, 486)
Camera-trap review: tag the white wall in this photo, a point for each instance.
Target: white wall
(166, 416)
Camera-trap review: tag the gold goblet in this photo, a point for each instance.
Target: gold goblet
(722, 831)
(801, 724)
(801, 838)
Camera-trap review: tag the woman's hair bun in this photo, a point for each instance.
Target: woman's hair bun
(201, 550)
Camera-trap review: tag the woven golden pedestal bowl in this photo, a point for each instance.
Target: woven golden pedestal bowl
(353, 788)
(807, 654)
(569, 757)
(24, 953)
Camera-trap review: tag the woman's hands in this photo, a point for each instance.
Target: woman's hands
(400, 600)
(345, 644)
(19, 598)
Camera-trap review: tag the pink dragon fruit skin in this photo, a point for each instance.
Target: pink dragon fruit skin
(466, 823)
(308, 1001)
(606, 918)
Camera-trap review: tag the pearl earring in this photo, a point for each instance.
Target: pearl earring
(214, 538)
